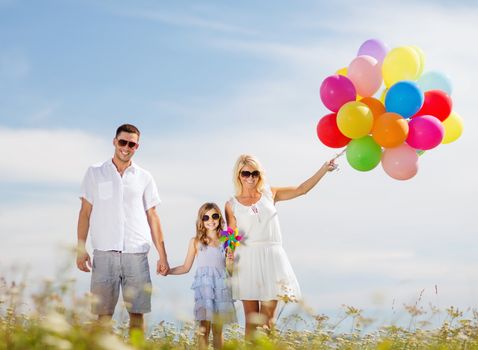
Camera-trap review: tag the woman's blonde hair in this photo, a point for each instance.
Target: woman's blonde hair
(201, 231)
(253, 162)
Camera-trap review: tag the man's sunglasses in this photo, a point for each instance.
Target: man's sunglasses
(214, 216)
(247, 173)
(130, 144)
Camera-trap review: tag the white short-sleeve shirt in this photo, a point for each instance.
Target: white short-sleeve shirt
(118, 219)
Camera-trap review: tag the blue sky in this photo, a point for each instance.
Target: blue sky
(207, 81)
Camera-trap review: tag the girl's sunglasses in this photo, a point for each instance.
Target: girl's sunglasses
(130, 144)
(247, 173)
(214, 216)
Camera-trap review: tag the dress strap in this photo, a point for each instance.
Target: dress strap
(233, 203)
(267, 190)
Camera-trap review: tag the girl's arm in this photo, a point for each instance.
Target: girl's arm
(286, 193)
(188, 262)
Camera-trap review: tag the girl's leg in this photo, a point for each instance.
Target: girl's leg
(268, 310)
(203, 337)
(217, 337)
(251, 313)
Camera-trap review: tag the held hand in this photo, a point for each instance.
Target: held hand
(83, 261)
(162, 268)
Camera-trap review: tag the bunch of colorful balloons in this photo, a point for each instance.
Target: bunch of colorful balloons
(393, 127)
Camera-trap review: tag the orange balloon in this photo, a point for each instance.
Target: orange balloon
(375, 106)
(390, 130)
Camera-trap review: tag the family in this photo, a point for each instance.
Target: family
(118, 213)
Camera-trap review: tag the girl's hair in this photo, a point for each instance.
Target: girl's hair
(253, 162)
(201, 231)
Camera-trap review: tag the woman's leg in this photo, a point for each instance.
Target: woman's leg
(268, 310)
(217, 337)
(203, 337)
(251, 313)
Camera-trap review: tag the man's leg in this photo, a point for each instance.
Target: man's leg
(104, 321)
(136, 287)
(136, 322)
(105, 286)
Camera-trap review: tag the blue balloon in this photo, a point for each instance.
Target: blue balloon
(434, 80)
(404, 98)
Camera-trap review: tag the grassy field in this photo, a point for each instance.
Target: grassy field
(56, 318)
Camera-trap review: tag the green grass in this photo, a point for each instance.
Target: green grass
(56, 318)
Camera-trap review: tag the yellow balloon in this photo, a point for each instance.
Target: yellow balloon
(383, 95)
(342, 71)
(401, 63)
(453, 128)
(355, 119)
(421, 55)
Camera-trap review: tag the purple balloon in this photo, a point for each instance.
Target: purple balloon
(336, 90)
(374, 48)
(425, 132)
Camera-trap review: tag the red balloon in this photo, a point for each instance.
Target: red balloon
(436, 103)
(329, 133)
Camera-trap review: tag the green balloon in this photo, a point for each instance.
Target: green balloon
(363, 154)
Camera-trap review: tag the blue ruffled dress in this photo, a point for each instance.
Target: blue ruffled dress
(212, 290)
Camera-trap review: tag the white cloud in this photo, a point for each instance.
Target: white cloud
(49, 156)
(43, 114)
(187, 20)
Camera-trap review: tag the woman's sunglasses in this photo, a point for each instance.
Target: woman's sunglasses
(214, 216)
(130, 144)
(247, 173)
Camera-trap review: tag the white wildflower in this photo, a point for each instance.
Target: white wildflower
(55, 322)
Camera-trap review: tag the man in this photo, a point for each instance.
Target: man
(118, 201)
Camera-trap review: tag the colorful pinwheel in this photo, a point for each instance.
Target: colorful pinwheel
(230, 238)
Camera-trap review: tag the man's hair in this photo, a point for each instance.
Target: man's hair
(129, 128)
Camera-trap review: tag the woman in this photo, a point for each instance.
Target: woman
(262, 272)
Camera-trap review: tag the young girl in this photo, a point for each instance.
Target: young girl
(212, 293)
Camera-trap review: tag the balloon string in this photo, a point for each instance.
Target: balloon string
(339, 154)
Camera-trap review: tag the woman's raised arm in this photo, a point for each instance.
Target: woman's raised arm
(286, 193)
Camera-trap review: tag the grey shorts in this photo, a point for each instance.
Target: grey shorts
(112, 270)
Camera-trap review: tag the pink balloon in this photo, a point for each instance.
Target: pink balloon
(366, 74)
(336, 90)
(400, 163)
(425, 132)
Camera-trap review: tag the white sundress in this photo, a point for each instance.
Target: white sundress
(261, 268)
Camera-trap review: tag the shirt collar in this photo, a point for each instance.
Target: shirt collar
(133, 166)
